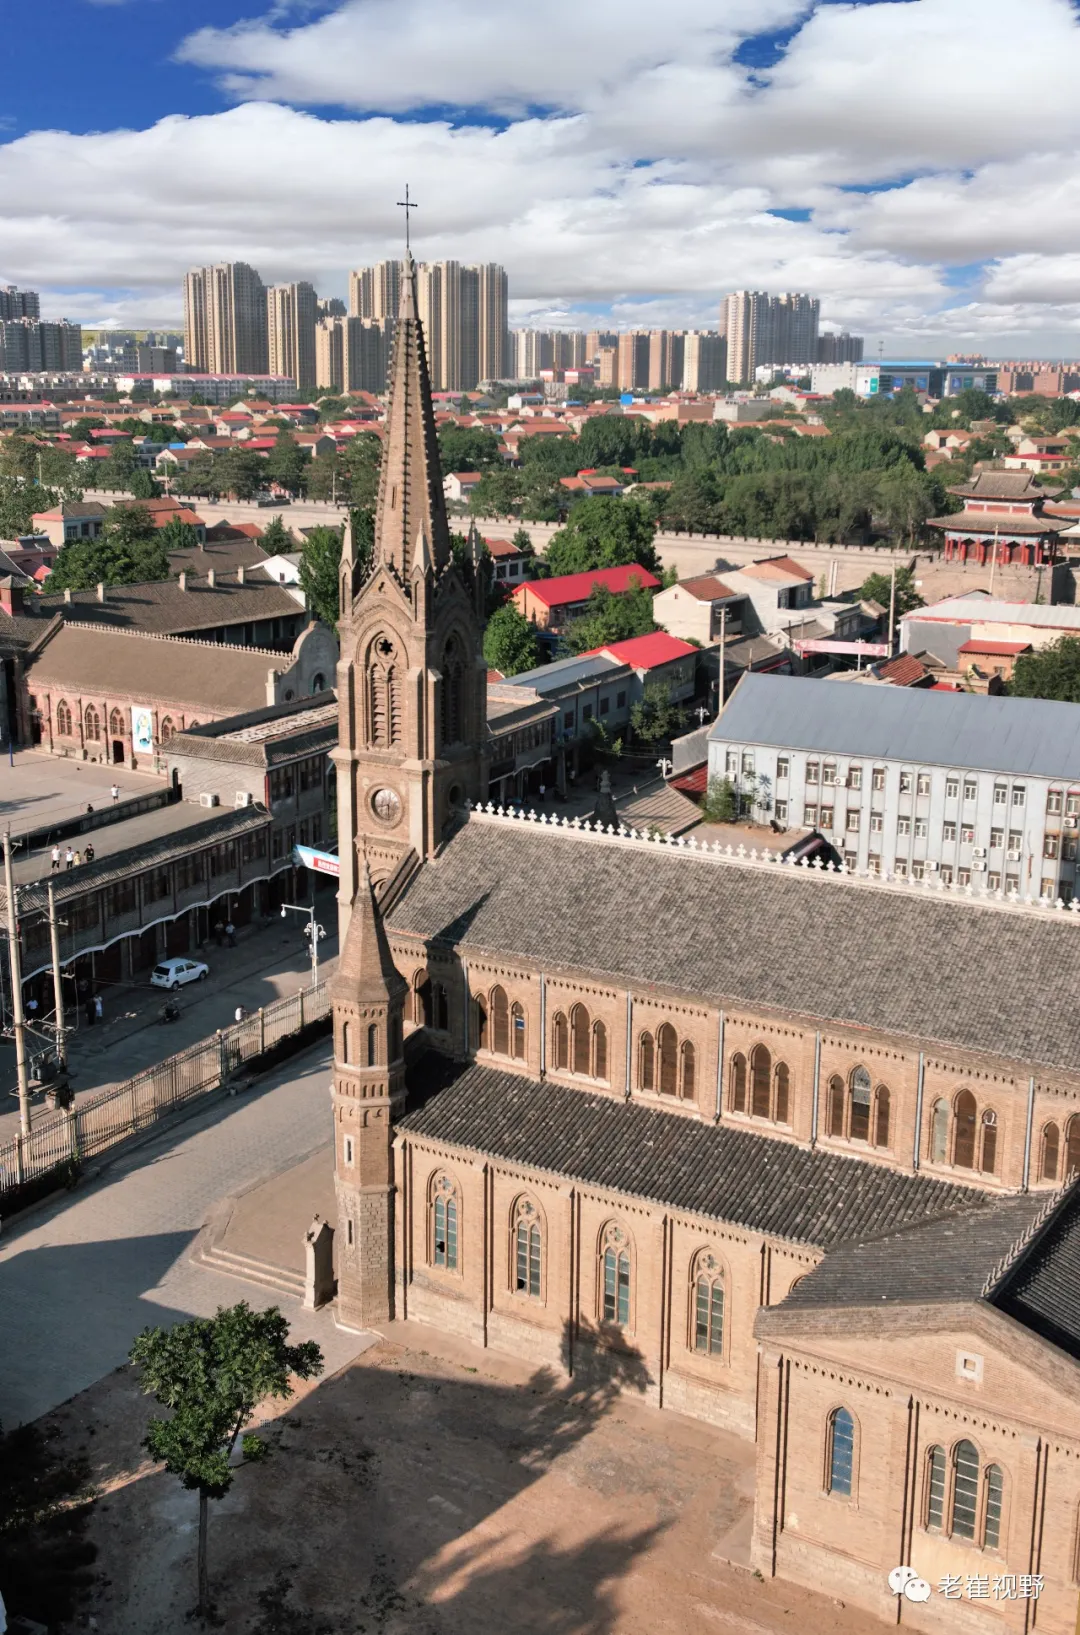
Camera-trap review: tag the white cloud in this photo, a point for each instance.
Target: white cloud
(647, 185)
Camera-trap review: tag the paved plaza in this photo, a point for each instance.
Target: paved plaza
(36, 789)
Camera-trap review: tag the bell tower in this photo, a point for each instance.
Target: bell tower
(368, 995)
(412, 684)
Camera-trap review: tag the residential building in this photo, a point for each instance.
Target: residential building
(33, 345)
(772, 589)
(16, 303)
(596, 340)
(330, 306)
(1003, 518)
(666, 359)
(157, 360)
(465, 316)
(633, 365)
(532, 351)
(375, 292)
(212, 388)
(704, 361)
(840, 348)
(493, 333)
(458, 485)
(351, 354)
(510, 563)
(657, 658)
(71, 520)
(552, 603)
(700, 609)
(944, 628)
(291, 313)
(883, 378)
(225, 320)
(914, 782)
(608, 369)
(520, 727)
(763, 329)
(591, 691)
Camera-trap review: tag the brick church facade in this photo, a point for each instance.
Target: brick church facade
(791, 1154)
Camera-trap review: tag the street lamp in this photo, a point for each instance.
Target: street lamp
(313, 931)
(665, 767)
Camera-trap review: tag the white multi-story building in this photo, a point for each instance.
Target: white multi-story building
(958, 786)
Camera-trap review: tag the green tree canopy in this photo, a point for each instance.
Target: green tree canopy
(128, 552)
(497, 494)
(1052, 672)
(510, 642)
(655, 717)
(178, 536)
(468, 448)
(610, 618)
(320, 562)
(210, 1374)
(276, 538)
(877, 588)
(602, 532)
(287, 463)
(238, 473)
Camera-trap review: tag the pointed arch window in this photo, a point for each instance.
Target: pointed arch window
(667, 1050)
(63, 719)
(383, 678)
(861, 1098)
(421, 999)
(840, 1460)
(579, 1040)
(1072, 1146)
(599, 1051)
(372, 1045)
(686, 1077)
(116, 725)
(939, 1132)
(964, 1130)
(480, 1023)
(528, 1242)
(760, 1082)
(444, 1223)
(167, 729)
(965, 1498)
(500, 1022)
(1049, 1153)
(881, 1116)
(836, 1105)
(517, 1032)
(707, 1298)
(782, 1077)
(988, 1141)
(993, 1497)
(453, 683)
(348, 1043)
(441, 1007)
(737, 1092)
(647, 1062)
(92, 724)
(560, 1042)
(615, 1273)
(936, 1478)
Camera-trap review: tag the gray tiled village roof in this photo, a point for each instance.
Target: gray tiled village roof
(820, 948)
(162, 607)
(1043, 1290)
(706, 1169)
(1019, 736)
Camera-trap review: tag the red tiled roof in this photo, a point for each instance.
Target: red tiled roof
(693, 783)
(771, 566)
(502, 547)
(903, 671)
(577, 587)
(995, 649)
(707, 588)
(647, 652)
(467, 476)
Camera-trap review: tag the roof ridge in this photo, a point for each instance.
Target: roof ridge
(1011, 1260)
(751, 857)
(165, 636)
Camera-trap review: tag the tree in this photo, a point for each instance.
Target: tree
(128, 552)
(497, 494)
(82, 428)
(877, 588)
(320, 563)
(287, 462)
(655, 716)
(276, 538)
(510, 642)
(602, 532)
(721, 803)
(210, 1373)
(360, 460)
(1053, 672)
(141, 485)
(467, 448)
(610, 618)
(238, 473)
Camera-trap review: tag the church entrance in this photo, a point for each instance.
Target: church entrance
(118, 752)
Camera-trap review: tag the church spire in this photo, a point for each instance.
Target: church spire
(411, 500)
(366, 970)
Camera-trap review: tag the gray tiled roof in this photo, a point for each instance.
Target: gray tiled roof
(1033, 737)
(731, 1175)
(1043, 1290)
(188, 675)
(822, 948)
(164, 609)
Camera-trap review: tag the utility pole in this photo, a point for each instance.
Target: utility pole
(993, 559)
(892, 612)
(15, 967)
(58, 987)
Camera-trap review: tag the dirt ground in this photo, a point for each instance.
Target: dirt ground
(412, 1494)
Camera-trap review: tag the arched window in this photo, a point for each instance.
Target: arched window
(861, 1102)
(936, 1475)
(992, 1505)
(965, 1499)
(441, 1007)
(1048, 1157)
(383, 682)
(599, 1051)
(372, 1045)
(646, 1062)
(760, 1081)
(560, 1041)
(1072, 1146)
(166, 729)
(348, 1042)
(688, 1064)
(190, 726)
(782, 1082)
(63, 719)
(615, 1276)
(500, 1022)
(988, 1155)
(116, 725)
(517, 1032)
(528, 1249)
(707, 1313)
(92, 724)
(480, 1023)
(840, 1460)
(667, 1050)
(579, 1040)
(421, 999)
(964, 1131)
(453, 670)
(939, 1132)
(881, 1116)
(738, 1084)
(836, 1105)
(444, 1223)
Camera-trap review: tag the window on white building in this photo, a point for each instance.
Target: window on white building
(853, 822)
(781, 811)
(903, 826)
(812, 772)
(971, 788)
(875, 823)
(1053, 801)
(952, 788)
(905, 783)
(781, 767)
(809, 816)
(923, 787)
(997, 839)
(922, 829)
(967, 834)
(948, 831)
(1018, 795)
(854, 777)
(879, 777)
(1001, 794)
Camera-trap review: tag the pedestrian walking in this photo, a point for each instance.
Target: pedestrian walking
(56, 857)
(115, 792)
(219, 932)
(69, 858)
(78, 859)
(230, 934)
(99, 1008)
(543, 791)
(239, 1013)
(88, 855)
(89, 808)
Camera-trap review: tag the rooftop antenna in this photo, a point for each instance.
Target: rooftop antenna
(406, 204)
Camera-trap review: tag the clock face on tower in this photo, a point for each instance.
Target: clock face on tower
(386, 804)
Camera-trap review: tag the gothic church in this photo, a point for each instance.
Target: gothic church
(801, 1147)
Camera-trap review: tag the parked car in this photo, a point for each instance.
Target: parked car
(809, 848)
(176, 973)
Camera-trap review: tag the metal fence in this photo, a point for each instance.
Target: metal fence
(114, 1115)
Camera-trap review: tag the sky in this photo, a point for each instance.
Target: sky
(912, 162)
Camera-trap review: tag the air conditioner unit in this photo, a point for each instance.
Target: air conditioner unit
(243, 798)
(1012, 857)
(208, 800)
(1071, 822)
(979, 868)
(978, 851)
(932, 866)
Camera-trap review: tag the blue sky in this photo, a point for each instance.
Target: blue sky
(619, 158)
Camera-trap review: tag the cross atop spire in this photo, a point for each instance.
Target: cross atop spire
(406, 204)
